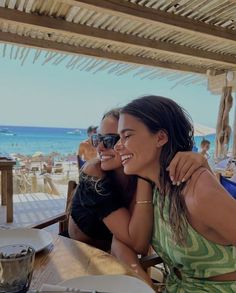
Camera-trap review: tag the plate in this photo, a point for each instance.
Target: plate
(38, 239)
(109, 283)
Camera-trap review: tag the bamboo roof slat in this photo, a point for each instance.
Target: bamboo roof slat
(17, 52)
(36, 55)
(186, 35)
(2, 3)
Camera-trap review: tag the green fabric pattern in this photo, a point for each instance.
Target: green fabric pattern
(198, 260)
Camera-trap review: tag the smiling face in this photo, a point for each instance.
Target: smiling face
(139, 148)
(110, 159)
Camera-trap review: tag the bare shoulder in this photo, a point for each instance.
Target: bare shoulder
(202, 179)
(203, 191)
(84, 143)
(93, 168)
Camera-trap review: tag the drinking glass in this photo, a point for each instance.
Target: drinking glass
(16, 268)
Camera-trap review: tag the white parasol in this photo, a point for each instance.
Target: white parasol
(202, 130)
(37, 154)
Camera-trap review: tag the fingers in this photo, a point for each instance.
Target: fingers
(189, 173)
(173, 168)
(183, 166)
(182, 174)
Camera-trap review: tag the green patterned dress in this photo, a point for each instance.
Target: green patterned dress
(198, 260)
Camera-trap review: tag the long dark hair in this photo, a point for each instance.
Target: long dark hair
(159, 113)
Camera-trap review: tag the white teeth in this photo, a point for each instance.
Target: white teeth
(124, 157)
(103, 158)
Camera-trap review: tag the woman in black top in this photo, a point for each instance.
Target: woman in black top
(95, 199)
(104, 193)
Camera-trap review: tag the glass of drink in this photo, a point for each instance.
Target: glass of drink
(16, 268)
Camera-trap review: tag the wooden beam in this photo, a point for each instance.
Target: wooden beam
(49, 23)
(61, 47)
(160, 17)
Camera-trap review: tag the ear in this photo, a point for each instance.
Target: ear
(161, 138)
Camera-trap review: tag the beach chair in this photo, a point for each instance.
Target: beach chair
(58, 168)
(61, 218)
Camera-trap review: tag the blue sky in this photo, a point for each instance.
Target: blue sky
(49, 95)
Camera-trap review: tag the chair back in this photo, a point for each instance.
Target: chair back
(62, 218)
(229, 185)
(63, 225)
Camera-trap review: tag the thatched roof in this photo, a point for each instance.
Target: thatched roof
(187, 35)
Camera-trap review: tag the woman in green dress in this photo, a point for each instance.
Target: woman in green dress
(195, 222)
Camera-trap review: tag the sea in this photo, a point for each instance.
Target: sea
(27, 140)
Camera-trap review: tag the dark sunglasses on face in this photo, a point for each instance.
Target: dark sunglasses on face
(108, 140)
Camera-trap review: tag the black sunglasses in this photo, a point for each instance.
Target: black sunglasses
(108, 140)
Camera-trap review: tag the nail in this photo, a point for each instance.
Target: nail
(178, 183)
(173, 182)
(183, 180)
(172, 178)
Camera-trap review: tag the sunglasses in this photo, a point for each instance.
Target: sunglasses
(108, 140)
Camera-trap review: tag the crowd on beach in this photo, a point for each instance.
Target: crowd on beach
(141, 185)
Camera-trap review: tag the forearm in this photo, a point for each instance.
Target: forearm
(129, 256)
(134, 227)
(141, 221)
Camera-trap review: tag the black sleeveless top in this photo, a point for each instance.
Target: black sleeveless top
(94, 199)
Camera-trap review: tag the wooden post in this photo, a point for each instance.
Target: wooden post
(223, 129)
(234, 129)
(34, 183)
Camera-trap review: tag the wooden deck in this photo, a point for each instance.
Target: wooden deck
(32, 208)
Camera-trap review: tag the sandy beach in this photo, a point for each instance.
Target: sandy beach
(39, 190)
(32, 175)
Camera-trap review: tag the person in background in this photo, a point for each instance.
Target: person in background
(205, 146)
(107, 202)
(194, 223)
(86, 150)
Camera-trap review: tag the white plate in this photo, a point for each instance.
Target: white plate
(109, 283)
(38, 239)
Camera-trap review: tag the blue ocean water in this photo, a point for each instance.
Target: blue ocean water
(28, 140)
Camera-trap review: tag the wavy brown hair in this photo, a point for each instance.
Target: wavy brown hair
(159, 113)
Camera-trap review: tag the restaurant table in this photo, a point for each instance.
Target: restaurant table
(6, 167)
(66, 259)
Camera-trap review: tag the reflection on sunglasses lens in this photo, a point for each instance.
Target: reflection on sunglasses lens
(108, 141)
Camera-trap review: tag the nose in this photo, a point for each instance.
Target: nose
(118, 146)
(100, 147)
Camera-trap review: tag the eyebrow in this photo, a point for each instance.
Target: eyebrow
(126, 129)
